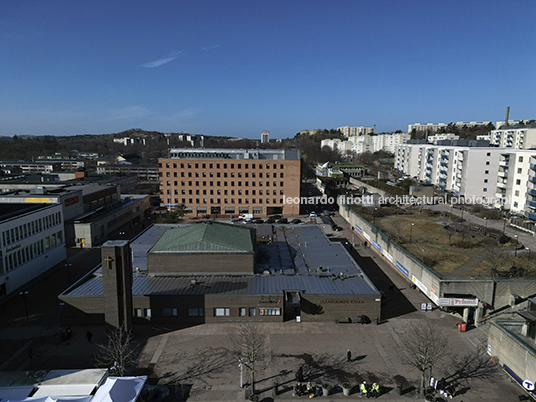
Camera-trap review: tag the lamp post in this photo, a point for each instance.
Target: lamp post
(411, 231)
(374, 217)
(486, 229)
(23, 295)
(515, 250)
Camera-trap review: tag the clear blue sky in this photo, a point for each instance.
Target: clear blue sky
(227, 67)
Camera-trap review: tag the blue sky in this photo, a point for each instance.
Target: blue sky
(227, 67)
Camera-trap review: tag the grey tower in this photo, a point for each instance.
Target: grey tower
(117, 283)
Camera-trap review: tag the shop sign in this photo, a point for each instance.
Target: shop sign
(376, 245)
(358, 229)
(402, 268)
(457, 302)
(367, 236)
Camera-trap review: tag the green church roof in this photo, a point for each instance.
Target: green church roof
(210, 237)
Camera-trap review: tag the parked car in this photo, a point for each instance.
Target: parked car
(275, 217)
(270, 220)
(282, 220)
(295, 220)
(257, 221)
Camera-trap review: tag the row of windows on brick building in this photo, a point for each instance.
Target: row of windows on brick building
(219, 192)
(219, 174)
(225, 183)
(225, 201)
(218, 165)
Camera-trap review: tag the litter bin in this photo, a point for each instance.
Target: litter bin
(463, 326)
(399, 388)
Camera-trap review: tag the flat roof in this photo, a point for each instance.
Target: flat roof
(301, 257)
(9, 211)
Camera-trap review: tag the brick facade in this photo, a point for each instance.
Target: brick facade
(200, 263)
(230, 186)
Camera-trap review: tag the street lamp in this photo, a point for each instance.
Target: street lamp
(374, 217)
(486, 229)
(23, 295)
(515, 251)
(411, 231)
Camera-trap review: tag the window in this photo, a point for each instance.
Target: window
(138, 312)
(520, 170)
(221, 312)
(147, 312)
(520, 159)
(169, 312)
(485, 189)
(195, 312)
(485, 180)
(252, 311)
(269, 311)
(488, 154)
(518, 181)
(515, 204)
(242, 312)
(486, 172)
(517, 193)
(487, 163)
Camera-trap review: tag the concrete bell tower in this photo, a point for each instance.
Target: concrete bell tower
(117, 283)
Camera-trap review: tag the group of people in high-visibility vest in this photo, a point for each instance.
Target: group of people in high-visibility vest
(373, 392)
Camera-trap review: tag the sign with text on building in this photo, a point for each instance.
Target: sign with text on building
(420, 285)
(402, 268)
(388, 256)
(376, 245)
(367, 236)
(358, 229)
(457, 302)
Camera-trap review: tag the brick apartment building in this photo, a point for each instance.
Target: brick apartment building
(226, 182)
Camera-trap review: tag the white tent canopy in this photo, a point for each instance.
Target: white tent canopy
(124, 389)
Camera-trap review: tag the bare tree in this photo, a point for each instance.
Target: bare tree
(421, 242)
(119, 351)
(495, 257)
(423, 347)
(247, 346)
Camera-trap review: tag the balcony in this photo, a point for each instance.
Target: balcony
(531, 204)
(444, 164)
(532, 217)
(532, 191)
(532, 179)
(442, 179)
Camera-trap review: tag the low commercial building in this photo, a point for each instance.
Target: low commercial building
(32, 241)
(183, 275)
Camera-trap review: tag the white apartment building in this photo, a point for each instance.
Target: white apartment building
(130, 140)
(32, 241)
(431, 127)
(530, 204)
(389, 142)
(513, 181)
(517, 137)
(467, 171)
(350, 131)
(433, 139)
(367, 143)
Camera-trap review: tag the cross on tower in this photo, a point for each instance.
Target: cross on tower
(108, 260)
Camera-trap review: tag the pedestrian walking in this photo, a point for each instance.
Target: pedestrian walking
(89, 335)
(299, 375)
(366, 244)
(349, 355)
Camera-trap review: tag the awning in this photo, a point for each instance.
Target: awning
(124, 389)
